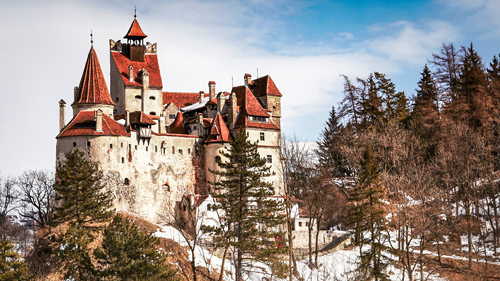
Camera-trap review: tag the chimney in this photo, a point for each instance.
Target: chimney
(98, 124)
(200, 124)
(202, 96)
(75, 93)
(211, 89)
(161, 124)
(145, 88)
(221, 100)
(62, 114)
(131, 73)
(231, 111)
(247, 78)
(127, 118)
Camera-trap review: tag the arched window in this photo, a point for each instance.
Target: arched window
(126, 181)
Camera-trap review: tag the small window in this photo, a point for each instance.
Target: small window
(138, 97)
(189, 151)
(126, 181)
(111, 145)
(180, 151)
(173, 149)
(184, 208)
(74, 144)
(262, 137)
(307, 223)
(88, 143)
(152, 113)
(300, 223)
(152, 97)
(269, 159)
(136, 147)
(117, 99)
(121, 144)
(194, 127)
(146, 148)
(171, 116)
(156, 148)
(123, 159)
(129, 146)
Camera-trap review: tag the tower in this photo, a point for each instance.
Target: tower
(136, 83)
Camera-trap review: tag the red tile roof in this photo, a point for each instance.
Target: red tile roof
(243, 121)
(219, 131)
(246, 99)
(83, 124)
(150, 64)
(135, 31)
(177, 127)
(181, 99)
(137, 117)
(93, 88)
(207, 122)
(265, 86)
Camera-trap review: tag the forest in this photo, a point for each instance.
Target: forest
(413, 178)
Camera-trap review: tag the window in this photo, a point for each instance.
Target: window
(269, 159)
(156, 148)
(123, 159)
(180, 151)
(88, 143)
(189, 151)
(262, 137)
(259, 119)
(152, 97)
(117, 99)
(126, 181)
(138, 97)
(121, 144)
(146, 148)
(173, 149)
(171, 116)
(194, 127)
(111, 145)
(74, 144)
(184, 208)
(300, 223)
(129, 146)
(136, 147)
(307, 223)
(152, 113)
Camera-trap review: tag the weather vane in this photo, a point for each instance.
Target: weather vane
(91, 39)
(135, 12)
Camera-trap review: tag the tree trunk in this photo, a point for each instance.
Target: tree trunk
(318, 221)
(223, 262)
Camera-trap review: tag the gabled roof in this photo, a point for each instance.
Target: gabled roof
(177, 127)
(265, 86)
(93, 88)
(246, 100)
(150, 63)
(219, 131)
(83, 124)
(135, 31)
(181, 99)
(137, 117)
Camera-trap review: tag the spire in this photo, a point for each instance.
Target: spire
(135, 32)
(93, 88)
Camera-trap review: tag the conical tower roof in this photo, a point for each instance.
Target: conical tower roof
(93, 88)
(135, 31)
(177, 127)
(219, 131)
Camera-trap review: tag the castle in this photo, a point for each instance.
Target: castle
(156, 148)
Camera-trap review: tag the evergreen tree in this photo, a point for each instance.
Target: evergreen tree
(11, 268)
(371, 112)
(252, 220)
(426, 100)
(349, 106)
(129, 254)
(84, 205)
(329, 147)
(368, 215)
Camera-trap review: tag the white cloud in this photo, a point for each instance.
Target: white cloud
(408, 43)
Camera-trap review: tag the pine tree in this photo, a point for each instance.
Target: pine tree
(371, 112)
(11, 268)
(252, 220)
(368, 215)
(426, 100)
(84, 205)
(128, 253)
(329, 147)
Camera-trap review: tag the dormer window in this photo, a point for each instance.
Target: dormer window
(259, 119)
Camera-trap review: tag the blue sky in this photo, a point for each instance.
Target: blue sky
(303, 45)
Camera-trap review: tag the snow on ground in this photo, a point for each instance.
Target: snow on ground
(338, 265)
